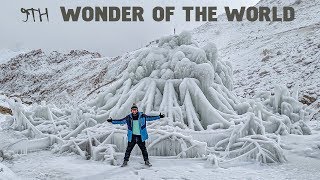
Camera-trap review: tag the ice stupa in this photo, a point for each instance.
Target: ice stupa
(193, 87)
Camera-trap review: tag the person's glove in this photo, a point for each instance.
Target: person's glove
(162, 115)
(109, 120)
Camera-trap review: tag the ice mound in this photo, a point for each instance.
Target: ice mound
(178, 78)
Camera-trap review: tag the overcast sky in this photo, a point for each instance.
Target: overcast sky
(108, 38)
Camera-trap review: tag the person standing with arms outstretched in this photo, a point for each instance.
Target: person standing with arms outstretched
(137, 132)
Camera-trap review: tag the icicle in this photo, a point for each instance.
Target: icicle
(75, 132)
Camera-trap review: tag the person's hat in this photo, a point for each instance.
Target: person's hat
(134, 106)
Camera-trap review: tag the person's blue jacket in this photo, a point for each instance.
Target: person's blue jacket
(142, 122)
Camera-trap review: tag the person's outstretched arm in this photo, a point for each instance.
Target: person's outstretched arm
(152, 118)
(118, 121)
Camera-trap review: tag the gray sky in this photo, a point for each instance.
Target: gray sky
(108, 38)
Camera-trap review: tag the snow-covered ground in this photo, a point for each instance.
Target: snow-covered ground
(6, 173)
(302, 152)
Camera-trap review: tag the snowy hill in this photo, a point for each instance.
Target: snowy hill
(267, 53)
(7, 54)
(58, 78)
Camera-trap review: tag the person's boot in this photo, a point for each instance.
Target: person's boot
(125, 163)
(147, 163)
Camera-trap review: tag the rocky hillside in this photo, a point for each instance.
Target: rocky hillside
(264, 54)
(59, 78)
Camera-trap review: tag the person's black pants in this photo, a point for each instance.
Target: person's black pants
(136, 139)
